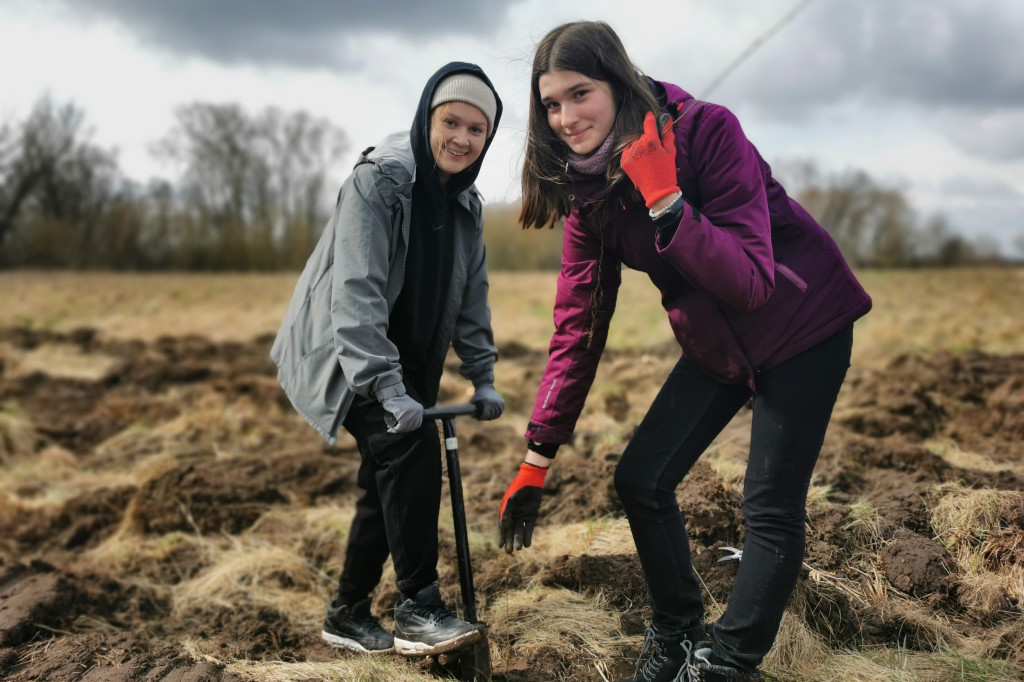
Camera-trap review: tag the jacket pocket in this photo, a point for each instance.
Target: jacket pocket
(794, 278)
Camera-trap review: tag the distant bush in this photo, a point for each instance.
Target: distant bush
(510, 247)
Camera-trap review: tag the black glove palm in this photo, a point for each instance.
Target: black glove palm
(520, 508)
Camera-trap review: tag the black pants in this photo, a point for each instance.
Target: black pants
(397, 513)
(791, 410)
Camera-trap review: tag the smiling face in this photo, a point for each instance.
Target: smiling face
(457, 134)
(580, 109)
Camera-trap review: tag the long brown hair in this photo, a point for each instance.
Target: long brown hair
(593, 49)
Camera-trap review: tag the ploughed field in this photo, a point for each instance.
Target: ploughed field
(165, 514)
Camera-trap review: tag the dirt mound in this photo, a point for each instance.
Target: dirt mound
(109, 658)
(38, 598)
(618, 577)
(974, 398)
(82, 522)
(711, 510)
(917, 565)
(228, 496)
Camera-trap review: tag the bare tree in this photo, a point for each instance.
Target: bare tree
(31, 151)
(256, 182)
(872, 224)
(51, 173)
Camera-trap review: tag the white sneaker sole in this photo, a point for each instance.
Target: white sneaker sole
(351, 644)
(406, 647)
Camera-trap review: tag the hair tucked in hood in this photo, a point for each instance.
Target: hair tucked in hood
(419, 137)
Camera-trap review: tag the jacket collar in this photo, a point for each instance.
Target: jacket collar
(393, 156)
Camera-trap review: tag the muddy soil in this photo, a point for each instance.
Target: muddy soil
(185, 443)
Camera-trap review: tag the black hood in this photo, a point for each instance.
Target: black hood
(419, 136)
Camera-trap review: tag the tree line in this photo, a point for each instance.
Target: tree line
(253, 191)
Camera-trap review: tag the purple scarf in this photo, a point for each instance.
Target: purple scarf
(594, 163)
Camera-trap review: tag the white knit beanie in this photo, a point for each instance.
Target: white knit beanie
(465, 87)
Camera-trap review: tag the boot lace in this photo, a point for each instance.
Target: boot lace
(684, 670)
(658, 658)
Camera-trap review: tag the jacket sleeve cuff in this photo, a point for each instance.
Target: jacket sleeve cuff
(544, 434)
(485, 379)
(548, 450)
(666, 225)
(392, 391)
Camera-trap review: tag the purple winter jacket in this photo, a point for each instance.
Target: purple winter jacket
(749, 279)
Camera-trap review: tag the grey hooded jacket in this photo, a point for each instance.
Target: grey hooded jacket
(333, 343)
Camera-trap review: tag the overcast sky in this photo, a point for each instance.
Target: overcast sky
(926, 94)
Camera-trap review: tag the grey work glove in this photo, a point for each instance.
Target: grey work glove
(489, 403)
(404, 414)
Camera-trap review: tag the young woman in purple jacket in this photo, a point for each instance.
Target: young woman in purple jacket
(757, 294)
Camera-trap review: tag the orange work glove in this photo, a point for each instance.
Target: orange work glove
(650, 162)
(520, 507)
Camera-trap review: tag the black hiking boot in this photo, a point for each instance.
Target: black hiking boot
(668, 655)
(424, 626)
(353, 628)
(705, 667)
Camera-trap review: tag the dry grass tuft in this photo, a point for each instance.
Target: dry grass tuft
(817, 496)
(17, 436)
(950, 451)
(162, 559)
(64, 361)
(255, 572)
(354, 669)
(964, 518)
(534, 618)
(984, 594)
(569, 538)
(611, 536)
(798, 651)
(885, 664)
(865, 525)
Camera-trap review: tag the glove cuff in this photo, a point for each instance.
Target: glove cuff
(392, 391)
(531, 475)
(657, 195)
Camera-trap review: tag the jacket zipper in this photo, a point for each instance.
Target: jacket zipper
(792, 277)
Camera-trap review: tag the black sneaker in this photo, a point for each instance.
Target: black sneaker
(424, 626)
(703, 670)
(667, 655)
(353, 628)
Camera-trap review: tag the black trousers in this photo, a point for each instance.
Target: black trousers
(397, 514)
(791, 410)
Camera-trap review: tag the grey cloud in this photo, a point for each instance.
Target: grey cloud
(303, 33)
(994, 135)
(977, 189)
(939, 54)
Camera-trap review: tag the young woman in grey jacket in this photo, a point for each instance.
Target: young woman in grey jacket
(397, 277)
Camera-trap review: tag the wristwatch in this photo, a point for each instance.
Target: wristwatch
(672, 207)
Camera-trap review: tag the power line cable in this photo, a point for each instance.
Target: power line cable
(754, 46)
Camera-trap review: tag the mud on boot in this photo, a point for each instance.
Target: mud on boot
(705, 667)
(667, 653)
(354, 628)
(424, 626)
